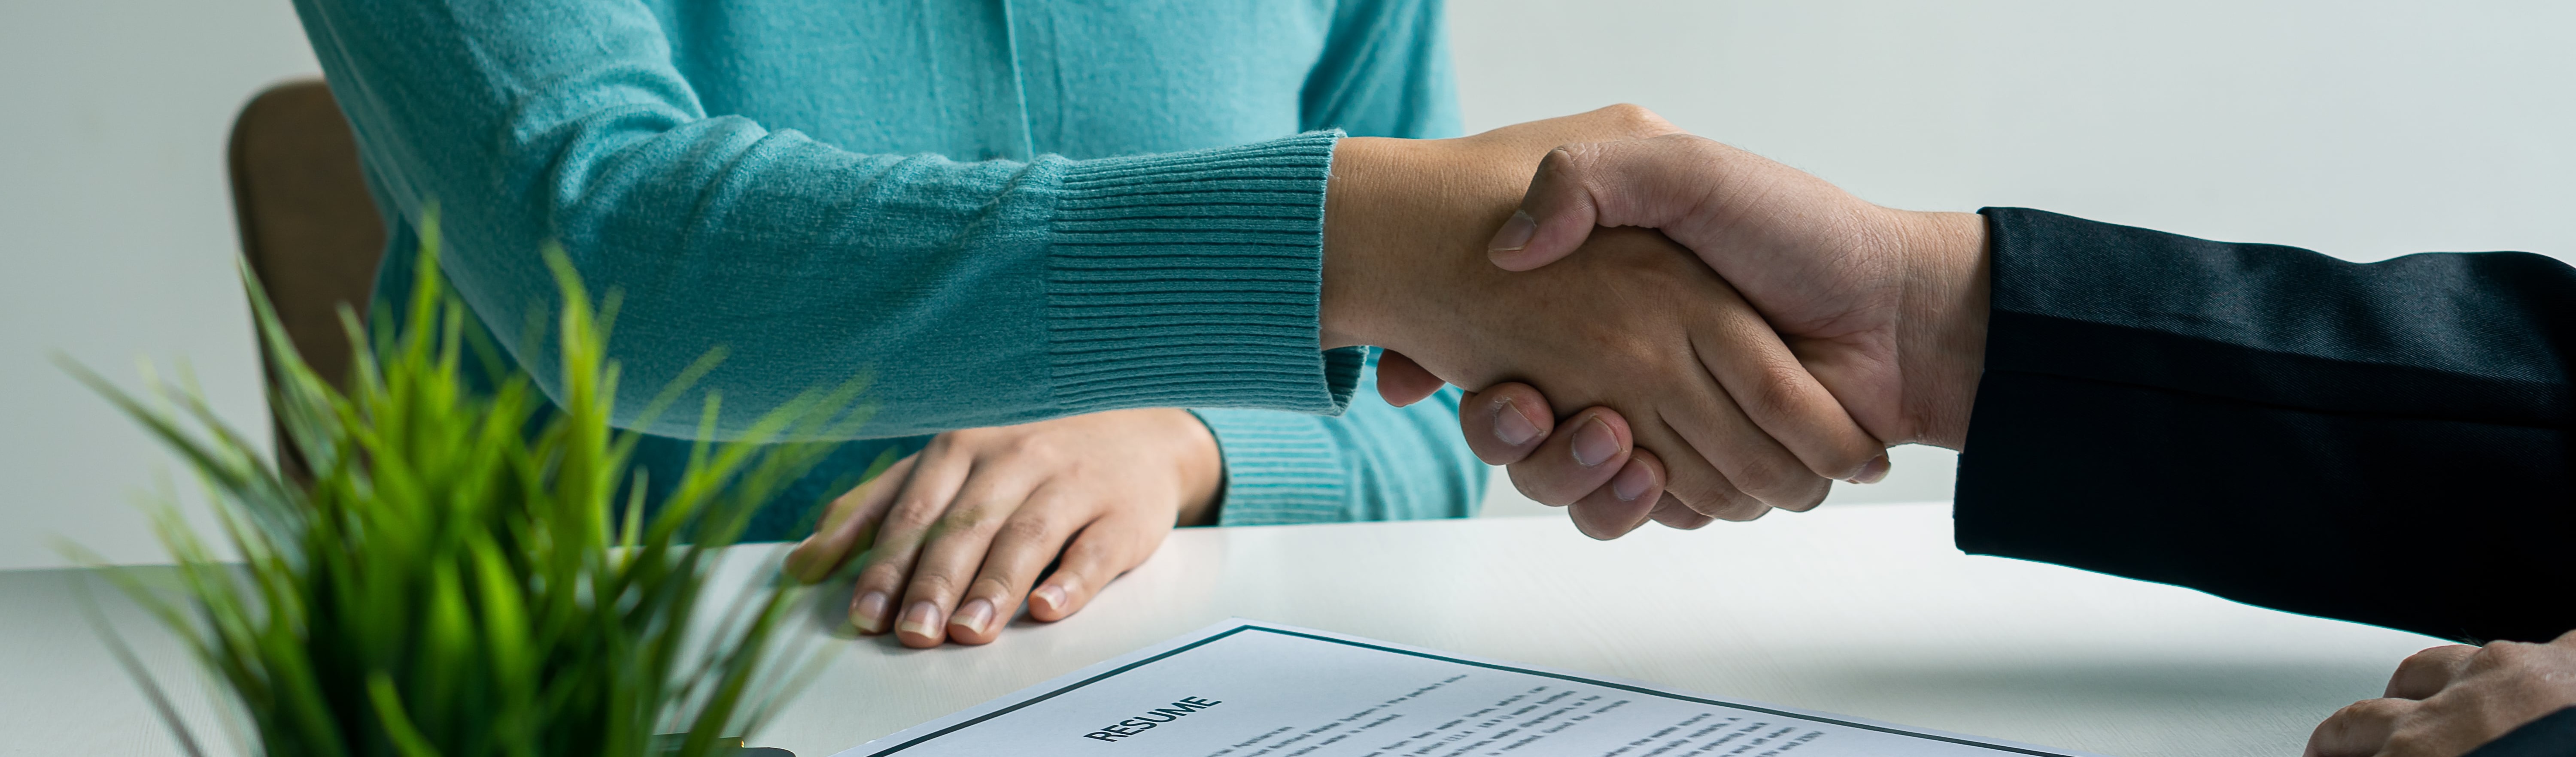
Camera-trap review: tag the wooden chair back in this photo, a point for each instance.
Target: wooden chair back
(308, 228)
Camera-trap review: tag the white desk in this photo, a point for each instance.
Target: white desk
(1863, 610)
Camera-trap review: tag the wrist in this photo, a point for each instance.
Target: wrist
(1372, 223)
(1941, 332)
(1362, 167)
(1200, 468)
(1405, 222)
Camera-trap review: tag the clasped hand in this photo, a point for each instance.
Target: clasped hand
(1885, 310)
(1700, 409)
(1791, 335)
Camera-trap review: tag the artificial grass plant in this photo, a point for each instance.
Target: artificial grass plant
(467, 574)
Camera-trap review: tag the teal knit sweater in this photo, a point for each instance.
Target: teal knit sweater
(999, 210)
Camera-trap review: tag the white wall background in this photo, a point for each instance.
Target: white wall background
(116, 241)
(2365, 129)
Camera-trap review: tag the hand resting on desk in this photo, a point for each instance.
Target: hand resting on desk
(2446, 701)
(951, 539)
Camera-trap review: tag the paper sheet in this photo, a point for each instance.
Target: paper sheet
(1251, 689)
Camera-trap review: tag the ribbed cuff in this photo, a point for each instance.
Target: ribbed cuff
(1279, 468)
(1195, 280)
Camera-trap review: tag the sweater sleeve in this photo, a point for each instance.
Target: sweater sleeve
(2386, 442)
(1385, 73)
(1377, 462)
(1039, 288)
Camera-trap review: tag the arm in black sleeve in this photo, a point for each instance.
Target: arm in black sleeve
(2553, 735)
(2385, 442)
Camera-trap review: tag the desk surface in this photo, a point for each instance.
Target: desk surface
(1864, 610)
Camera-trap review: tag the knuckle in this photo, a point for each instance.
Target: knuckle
(1809, 499)
(2375, 710)
(990, 586)
(1720, 501)
(1779, 390)
(1779, 479)
(1016, 445)
(1701, 496)
(2435, 659)
(1033, 530)
(2422, 658)
(1563, 161)
(1634, 119)
(915, 512)
(1743, 511)
(2502, 654)
(883, 573)
(948, 442)
(930, 583)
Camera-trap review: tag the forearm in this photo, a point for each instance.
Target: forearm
(1405, 226)
(2482, 337)
(2441, 527)
(1059, 286)
(1397, 211)
(2384, 443)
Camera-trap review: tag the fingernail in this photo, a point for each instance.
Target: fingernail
(1515, 233)
(1513, 426)
(1872, 473)
(921, 620)
(796, 560)
(1050, 594)
(1632, 482)
(976, 616)
(1593, 443)
(869, 613)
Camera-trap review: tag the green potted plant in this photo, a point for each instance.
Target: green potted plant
(467, 574)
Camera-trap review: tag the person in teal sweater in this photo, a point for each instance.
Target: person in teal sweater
(789, 168)
(1044, 221)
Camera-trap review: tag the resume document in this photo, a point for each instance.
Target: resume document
(1251, 689)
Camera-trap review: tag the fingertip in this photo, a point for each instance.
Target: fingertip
(1603, 516)
(868, 612)
(1514, 236)
(1673, 514)
(978, 621)
(1401, 381)
(1052, 601)
(1505, 422)
(922, 625)
(799, 563)
(1873, 471)
(1580, 459)
(1513, 425)
(1600, 436)
(1641, 480)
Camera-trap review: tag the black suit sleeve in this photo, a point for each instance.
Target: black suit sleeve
(2385, 442)
(2553, 735)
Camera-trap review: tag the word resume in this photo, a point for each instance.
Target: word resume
(1251, 689)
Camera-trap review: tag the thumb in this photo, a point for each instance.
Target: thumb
(1555, 216)
(1641, 182)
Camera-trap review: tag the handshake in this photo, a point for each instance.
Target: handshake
(1760, 335)
(1740, 335)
